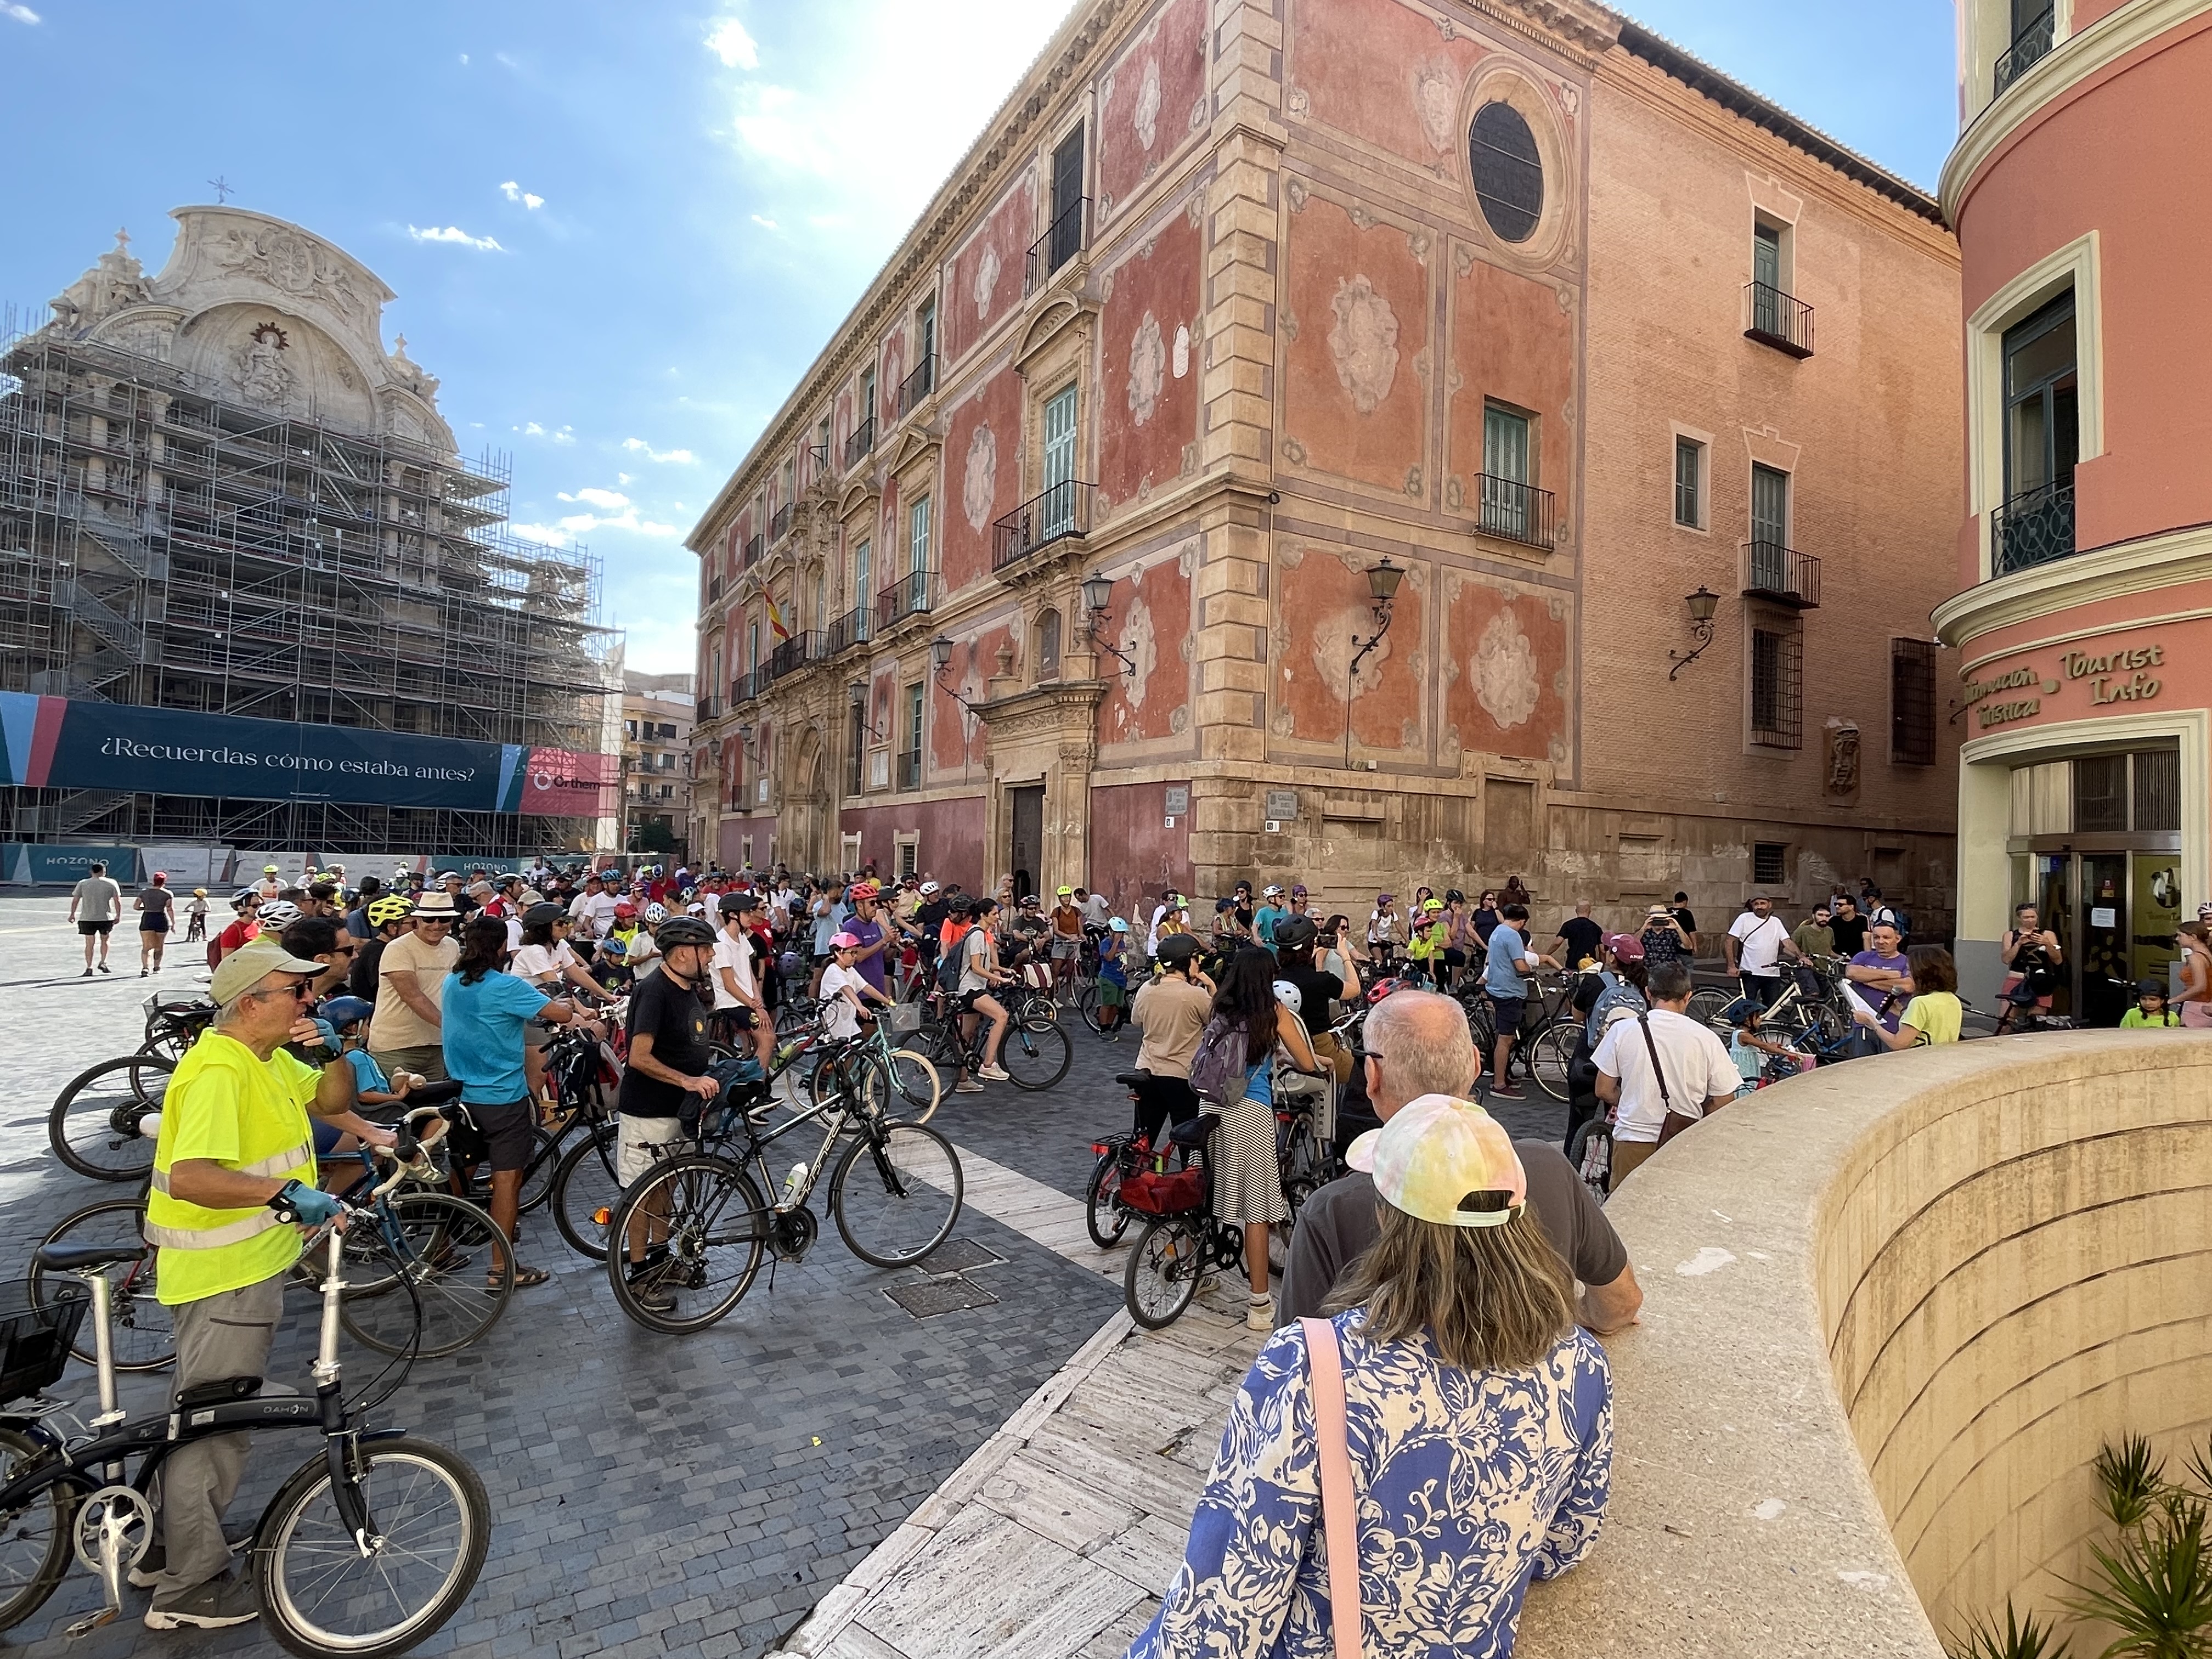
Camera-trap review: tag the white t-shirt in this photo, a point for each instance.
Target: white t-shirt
(838, 1019)
(539, 963)
(1761, 938)
(1699, 1069)
(593, 911)
(736, 956)
(1096, 912)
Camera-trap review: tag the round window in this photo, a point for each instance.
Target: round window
(1509, 175)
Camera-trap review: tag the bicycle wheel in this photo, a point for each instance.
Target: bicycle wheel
(920, 1089)
(1036, 1011)
(145, 1336)
(1549, 1055)
(1484, 1031)
(537, 1173)
(1598, 1174)
(1705, 1005)
(431, 1523)
(1163, 1271)
(704, 1228)
(1036, 1059)
(34, 1547)
(94, 1125)
(453, 1255)
(895, 1194)
(1103, 1218)
(1086, 1004)
(585, 1191)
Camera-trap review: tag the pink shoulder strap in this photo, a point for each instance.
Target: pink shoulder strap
(1339, 1516)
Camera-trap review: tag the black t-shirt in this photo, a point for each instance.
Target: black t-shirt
(1687, 918)
(676, 1019)
(1318, 992)
(1850, 936)
(1584, 937)
(1344, 1217)
(362, 981)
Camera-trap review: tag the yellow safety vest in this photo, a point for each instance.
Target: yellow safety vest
(246, 1114)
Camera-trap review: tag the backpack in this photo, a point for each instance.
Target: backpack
(1217, 1068)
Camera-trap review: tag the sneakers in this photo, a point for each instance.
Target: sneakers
(87, 973)
(993, 1074)
(105, 968)
(141, 972)
(967, 1086)
(227, 1600)
(1260, 1313)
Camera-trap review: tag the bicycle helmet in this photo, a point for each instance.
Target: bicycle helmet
(1119, 925)
(278, 915)
(844, 942)
(1289, 995)
(543, 915)
(389, 908)
(684, 930)
(2150, 988)
(246, 895)
(346, 1012)
(655, 914)
(1381, 988)
(624, 910)
(1179, 947)
(1294, 931)
(1453, 895)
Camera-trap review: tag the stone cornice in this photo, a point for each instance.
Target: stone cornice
(2167, 560)
(1046, 706)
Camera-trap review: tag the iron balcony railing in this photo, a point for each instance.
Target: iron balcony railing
(817, 460)
(850, 629)
(1517, 512)
(710, 709)
(1771, 571)
(917, 386)
(2032, 528)
(1779, 319)
(2029, 47)
(753, 545)
(909, 768)
(1062, 240)
(795, 653)
(909, 596)
(860, 443)
(1061, 512)
(746, 687)
(779, 523)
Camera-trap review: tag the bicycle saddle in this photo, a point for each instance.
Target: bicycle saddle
(69, 1258)
(434, 1093)
(1195, 1131)
(1133, 1080)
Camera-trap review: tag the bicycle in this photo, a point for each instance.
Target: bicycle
(1183, 1242)
(1034, 1059)
(706, 1226)
(368, 1548)
(173, 1027)
(103, 1123)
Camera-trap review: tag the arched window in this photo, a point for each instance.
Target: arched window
(1509, 173)
(1047, 646)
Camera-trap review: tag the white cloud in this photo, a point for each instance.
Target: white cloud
(544, 535)
(514, 192)
(465, 60)
(455, 233)
(621, 477)
(25, 15)
(602, 498)
(678, 456)
(728, 41)
(766, 224)
(531, 429)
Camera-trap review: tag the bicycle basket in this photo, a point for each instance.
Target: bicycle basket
(34, 1339)
(1178, 1193)
(905, 1019)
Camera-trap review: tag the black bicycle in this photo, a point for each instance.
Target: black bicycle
(104, 1121)
(1036, 1054)
(371, 1546)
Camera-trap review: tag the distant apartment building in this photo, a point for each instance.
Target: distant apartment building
(657, 716)
(1371, 440)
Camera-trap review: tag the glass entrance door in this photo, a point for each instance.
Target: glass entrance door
(2105, 962)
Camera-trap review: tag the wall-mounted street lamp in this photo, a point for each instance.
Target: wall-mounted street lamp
(941, 659)
(1383, 581)
(1702, 604)
(857, 694)
(1097, 595)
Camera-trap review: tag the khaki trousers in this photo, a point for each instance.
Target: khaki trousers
(220, 1336)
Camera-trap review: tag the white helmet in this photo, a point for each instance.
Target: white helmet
(1287, 994)
(279, 914)
(655, 914)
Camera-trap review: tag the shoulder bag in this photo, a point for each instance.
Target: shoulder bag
(1674, 1122)
(1339, 1519)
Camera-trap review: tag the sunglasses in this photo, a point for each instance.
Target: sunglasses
(299, 991)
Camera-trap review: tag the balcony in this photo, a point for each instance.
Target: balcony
(1062, 240)
(1782, 575)
(746, 687)
(860, 443)
(818, 461)
(795, 653)
(909, 769)
(848, 630)
(1061, 512)
(751, 555)
(2029, 47)
(710, 709)
(779, 525)
(909, 596)
(1513, 511)
(917, 386)
(2032, 528)
(1779, 319)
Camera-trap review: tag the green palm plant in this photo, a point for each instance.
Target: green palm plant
(2130, 1480)
(2200, 1468)
(2157, 1585)
(2020, 1639)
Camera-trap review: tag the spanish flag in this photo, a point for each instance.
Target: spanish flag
(776, 624)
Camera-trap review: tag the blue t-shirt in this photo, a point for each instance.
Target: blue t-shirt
(367, 1073)
(483, 1024)
(1263, 923)
(1501, 974)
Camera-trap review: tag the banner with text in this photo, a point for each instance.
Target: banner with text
(60, 743)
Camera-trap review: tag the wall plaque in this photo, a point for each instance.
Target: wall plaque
(1282, 804)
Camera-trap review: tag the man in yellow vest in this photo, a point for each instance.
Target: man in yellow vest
(235, 1162)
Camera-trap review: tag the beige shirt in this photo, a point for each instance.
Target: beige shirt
(396, 1025)
(1171, 1012)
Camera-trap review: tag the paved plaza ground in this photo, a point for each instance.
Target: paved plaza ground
(652, 1495)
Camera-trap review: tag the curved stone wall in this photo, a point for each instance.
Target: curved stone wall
(1892, 1310)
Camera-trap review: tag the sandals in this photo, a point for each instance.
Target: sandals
(523, 1277)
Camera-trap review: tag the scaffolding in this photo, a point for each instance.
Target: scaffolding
(161, 547)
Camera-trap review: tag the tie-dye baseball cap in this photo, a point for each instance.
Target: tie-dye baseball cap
(1442, 1159)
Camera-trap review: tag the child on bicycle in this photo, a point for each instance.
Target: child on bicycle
(2151, 1012)
(1752, 1049)
(845, 993)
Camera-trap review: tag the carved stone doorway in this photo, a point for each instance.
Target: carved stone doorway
(1025, 847)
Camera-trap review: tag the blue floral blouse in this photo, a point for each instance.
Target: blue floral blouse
(1469, 1482)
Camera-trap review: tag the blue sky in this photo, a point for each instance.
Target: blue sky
(619, 233)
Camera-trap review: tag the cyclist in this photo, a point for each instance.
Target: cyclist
(547, 960)
(2150, 1010)
(1113, 977)
(1264, 920)
(410, 979)
(846, 992)
(738, 1010)
(667, 1061)
(1383, 932)
(1171, 1011)
(1066, 936)
(244, 928)
(233, 1162)
(388, 916)
(979, 974)
(2032, 957)
(1507, 957)
(196, 917)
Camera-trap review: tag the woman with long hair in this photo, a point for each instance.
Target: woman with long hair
(1934, 1013)
(1247, 1182)
(1451, 1399)
(546, 960)
(979, 974)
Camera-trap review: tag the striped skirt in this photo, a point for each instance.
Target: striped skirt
(1248, 1181)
